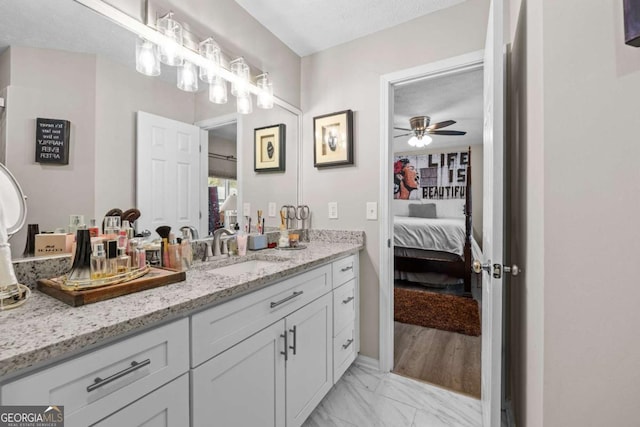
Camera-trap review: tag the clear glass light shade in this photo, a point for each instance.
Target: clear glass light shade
(147, 58)
(244, 105)
(210, 50)
(218, 91)
(188, 77)
(265, 96)
(169, 53)
(414, 141)
(241, 70)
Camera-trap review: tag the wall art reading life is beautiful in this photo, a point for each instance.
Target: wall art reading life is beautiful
(430, 176)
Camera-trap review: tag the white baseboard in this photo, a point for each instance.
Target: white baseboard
(368, 362)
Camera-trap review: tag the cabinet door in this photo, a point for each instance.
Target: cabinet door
(310, 363)
(243, 386)
(166, 407)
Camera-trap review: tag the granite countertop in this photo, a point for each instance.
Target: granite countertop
(45, 329)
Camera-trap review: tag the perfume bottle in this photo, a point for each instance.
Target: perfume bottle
(98, 263)
(112, 258)
(123, 262)
(186, 250)
(94, 231)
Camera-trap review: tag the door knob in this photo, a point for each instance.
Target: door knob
(514, 269)
(478, 267)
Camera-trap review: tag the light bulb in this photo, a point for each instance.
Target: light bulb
(218, 91)
(413, 141)
(188, 77)
(147, 61)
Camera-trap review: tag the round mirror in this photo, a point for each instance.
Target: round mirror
(13, 202)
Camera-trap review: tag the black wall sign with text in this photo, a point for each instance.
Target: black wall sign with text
(52, 141)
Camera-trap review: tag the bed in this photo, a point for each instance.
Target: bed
(436, 251)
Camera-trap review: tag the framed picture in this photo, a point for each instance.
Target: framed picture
(333, 139)
(269, 150)
(632, 22)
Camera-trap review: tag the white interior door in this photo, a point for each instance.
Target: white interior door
(170, 175)
(492, 231)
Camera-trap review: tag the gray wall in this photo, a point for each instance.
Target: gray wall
(348, 77)
(53, 191)
(576, 358)
(219, 167)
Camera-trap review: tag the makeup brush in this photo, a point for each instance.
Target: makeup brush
(164, 231)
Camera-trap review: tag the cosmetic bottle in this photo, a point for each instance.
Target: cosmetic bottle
(112, 257)
(175, 259)
(76, 222)
(141, 257)
(123, 241)
(186, 250)
(126, 227)
(93, 230)
(112, 226)
(123, 262)
(98, 263)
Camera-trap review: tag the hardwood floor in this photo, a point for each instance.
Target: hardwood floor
(447, 359)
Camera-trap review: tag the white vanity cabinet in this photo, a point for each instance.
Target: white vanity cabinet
(99, 383)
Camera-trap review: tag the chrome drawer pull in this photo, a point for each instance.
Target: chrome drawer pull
(285, 352)
(99, 382)
(295, 340)
(349, 342)
(347, 268)
(348, 300)
(283, 300)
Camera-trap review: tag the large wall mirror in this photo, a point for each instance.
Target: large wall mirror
(60, 60)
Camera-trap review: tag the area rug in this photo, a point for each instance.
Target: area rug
(438, 311)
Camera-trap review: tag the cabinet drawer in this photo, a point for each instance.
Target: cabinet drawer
(128, 370)
(344, 351)
(343, 270)
(218, 328)
(167, 407)
(344, 306)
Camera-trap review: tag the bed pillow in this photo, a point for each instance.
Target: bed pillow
(425, 210)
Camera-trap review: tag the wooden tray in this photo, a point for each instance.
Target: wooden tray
(154, 278)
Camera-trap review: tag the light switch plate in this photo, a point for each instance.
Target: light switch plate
(372, 211)
(333, 210)
(272, 209)
(246, 209)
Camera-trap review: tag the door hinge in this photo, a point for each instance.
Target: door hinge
(497, 271)
(200, 148)
(200, 214)
(388, 243)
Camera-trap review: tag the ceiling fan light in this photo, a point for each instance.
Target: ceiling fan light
(425, 140)
(413, 141)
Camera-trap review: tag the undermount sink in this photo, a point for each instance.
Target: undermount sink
(246, 267)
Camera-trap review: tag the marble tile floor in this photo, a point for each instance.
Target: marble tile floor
(367, 398)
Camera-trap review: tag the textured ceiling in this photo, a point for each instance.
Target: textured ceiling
(454, 97)
(309, 26)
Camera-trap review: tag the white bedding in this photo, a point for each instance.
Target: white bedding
(436, 234)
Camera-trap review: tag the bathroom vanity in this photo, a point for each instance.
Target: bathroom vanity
(256, 344)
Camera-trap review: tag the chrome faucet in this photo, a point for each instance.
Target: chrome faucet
(216, 240)
(192, 231)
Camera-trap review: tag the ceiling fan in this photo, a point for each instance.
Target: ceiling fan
(420, 127)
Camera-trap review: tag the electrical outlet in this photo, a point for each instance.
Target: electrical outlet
(372, 211)
(246, 209)
(272, 209)
(333, 210)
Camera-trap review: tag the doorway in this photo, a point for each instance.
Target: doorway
(391, 84)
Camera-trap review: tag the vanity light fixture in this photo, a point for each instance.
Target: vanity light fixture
(188, 77)
(264, 99)
(205, 60)
(147, 58)
(169, 48)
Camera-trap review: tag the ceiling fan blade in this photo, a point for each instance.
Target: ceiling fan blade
(446, 132)
(404, 134)
(441, 125)
(408, 130)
